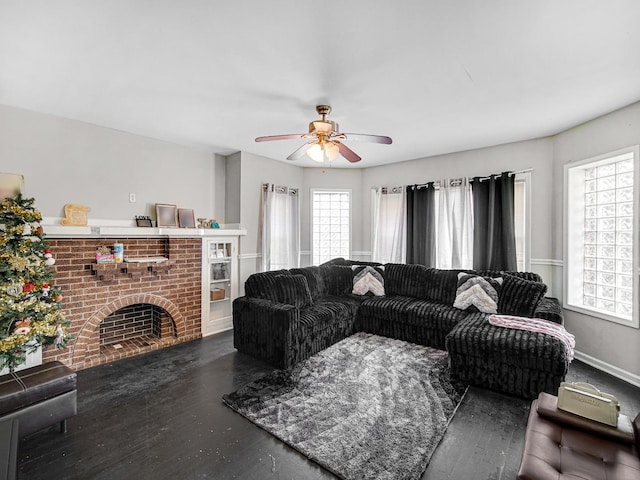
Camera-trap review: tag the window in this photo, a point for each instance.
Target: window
(330, 225)
(601, 236)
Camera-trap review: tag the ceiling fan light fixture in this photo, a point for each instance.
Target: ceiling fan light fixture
(321, 151)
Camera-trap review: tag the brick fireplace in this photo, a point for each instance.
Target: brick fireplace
(136, 307)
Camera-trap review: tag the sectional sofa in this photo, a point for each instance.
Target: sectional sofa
(288, 315)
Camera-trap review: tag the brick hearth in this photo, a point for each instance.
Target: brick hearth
(93, 292)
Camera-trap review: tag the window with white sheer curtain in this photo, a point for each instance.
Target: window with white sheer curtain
(453, 209)
(389, 224)
(280, 227)
(454, 224)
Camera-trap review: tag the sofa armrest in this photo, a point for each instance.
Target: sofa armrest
(549, 309)
(264, 329)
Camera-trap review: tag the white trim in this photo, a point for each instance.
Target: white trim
(248, 256)
(547, 261)
(361, 254)
(617, 372)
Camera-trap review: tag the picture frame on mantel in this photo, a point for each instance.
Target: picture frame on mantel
(10, 184)
(186, 218)
(166, 216)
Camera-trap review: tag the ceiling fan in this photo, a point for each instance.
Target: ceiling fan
(326, 140)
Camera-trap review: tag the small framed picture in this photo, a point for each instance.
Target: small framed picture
(143, 222)
(186, 219)
(166, 215)
(10, 184)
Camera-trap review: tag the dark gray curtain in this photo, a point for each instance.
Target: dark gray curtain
(421, 238)
(494, 241)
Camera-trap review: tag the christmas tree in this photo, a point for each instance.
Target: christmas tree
(30, 314)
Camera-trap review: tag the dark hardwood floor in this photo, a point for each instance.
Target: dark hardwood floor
(160, 416)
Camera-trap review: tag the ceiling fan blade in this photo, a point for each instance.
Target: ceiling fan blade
(270, 138)
(300, 152)
(347, 153)
(363, 137)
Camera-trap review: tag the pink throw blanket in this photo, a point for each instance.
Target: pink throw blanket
(537, 325)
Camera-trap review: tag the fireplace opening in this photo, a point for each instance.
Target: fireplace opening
(135, 327)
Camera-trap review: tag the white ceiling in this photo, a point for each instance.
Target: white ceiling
(436, 76)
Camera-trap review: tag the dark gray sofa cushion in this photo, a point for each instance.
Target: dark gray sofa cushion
(519, 296)
(314, 278)
(407, 280)
(263, 285)
(293, 290)
(415, 320)
(441, 285)
(338, 279)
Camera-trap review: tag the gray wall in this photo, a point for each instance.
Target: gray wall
(66, 161)
(618, 346)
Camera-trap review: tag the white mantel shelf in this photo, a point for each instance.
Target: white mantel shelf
(96, 231)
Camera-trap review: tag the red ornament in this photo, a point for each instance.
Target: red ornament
(28, 287)
(47, 251)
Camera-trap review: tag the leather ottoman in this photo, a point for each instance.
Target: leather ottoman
(563, 446)
(39, 397)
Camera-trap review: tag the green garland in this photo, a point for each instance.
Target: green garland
(30, 314)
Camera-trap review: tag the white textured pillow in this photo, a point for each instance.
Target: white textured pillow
(477, 293)
(368, 279)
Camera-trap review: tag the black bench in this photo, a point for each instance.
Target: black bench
(8, 449)
(39, 397)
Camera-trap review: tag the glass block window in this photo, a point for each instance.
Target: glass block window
(600, 221)
(330, 225)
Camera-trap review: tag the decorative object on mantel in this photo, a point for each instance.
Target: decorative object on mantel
(143, 221)
(186, 218)
(166, 215)
(10, 184)
(208, 223)
(30, 315)
(75, 215)
(104, 255)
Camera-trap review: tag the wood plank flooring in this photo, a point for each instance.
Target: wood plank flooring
(160, 416)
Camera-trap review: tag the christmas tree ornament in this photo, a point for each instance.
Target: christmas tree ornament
(57, 297)
(38, 230)
(45, 290)
(49, 258)
(14, 289)
(28, 287)
(59, 335)
(22, 326)
(26, 229)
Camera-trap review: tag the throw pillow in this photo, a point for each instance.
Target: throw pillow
(520, 297)
(293, 290)
(368, 279)
(477, 293)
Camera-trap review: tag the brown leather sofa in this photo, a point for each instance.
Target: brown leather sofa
(563, 446)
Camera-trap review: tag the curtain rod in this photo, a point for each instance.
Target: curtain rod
(279, 189)
(437, 183)
(526, 170)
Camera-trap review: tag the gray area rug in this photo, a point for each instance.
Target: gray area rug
(368, 407)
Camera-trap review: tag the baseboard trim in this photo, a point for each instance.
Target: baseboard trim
(617, 372)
